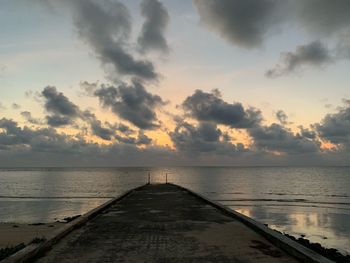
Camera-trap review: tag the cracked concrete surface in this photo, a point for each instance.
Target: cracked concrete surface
(163, 223)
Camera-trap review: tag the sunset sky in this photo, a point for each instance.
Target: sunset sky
(202, 82)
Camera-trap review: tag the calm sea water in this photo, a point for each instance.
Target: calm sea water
(314, 202)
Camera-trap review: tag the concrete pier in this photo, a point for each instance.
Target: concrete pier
(163, 223)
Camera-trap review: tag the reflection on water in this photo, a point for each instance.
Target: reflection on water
(314, 202)
(45, 210)
(320, 226)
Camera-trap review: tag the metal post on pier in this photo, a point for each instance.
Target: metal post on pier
(166, 178)
(149, 178)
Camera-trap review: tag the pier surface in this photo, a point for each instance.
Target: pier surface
(164, 223)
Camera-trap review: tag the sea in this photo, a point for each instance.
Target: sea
(309, 202)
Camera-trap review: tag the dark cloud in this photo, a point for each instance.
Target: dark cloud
(282, 117)
(11, 134)
(242, 23)
(246, 23)
(143, 139)
(106, 26)
(335, 127)
(97, 129)
(29, 118)
(205, 106)
(206, 137)
(274, 138)
(307, 133)
(58, 120)
(124, 129)
(132, 103)
(153, 29)
(57, 103)
(108, 131)
(16, 138)
(312, 54)
(62, 110)
(24, 146)
(323, 16)
(249, 23)
(277, 138)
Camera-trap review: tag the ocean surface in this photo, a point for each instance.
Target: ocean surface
(312, 201)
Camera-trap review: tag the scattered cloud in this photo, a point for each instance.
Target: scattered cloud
(282, 117)
(132, 103)
(106, 27)
(62, 110)
(204, 106)
(314, 54)
(205, 137)
(335, 127)
(199, 141)
(250, 23)
(276, 138)
(29, 118)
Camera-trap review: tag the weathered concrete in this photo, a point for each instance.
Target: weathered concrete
(164, 223)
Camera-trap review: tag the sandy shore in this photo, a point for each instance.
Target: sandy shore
(12, 234)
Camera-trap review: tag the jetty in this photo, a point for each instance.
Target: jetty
(165, 223)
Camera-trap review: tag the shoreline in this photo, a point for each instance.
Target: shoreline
(330, 253)
(13, 234)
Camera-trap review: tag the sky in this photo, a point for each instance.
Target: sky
(158, 83)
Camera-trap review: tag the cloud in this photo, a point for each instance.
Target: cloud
(132, 103)
(242, 23)
(278, 138)
(323, 17)
(282, 117)
(58, 121)
(335, 127)
(206, 137)
(249, 23)
(109, 131)
(209, 107)
(106, 26)
(312, 54)
(29, 118)
(307, 133)
(62, 110)
(105, 133)
(204, 106)
(153, 29)
(16, 138)
(143, 139)
(24, 146)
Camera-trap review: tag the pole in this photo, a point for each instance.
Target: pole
(149, 178)
(166, 178)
